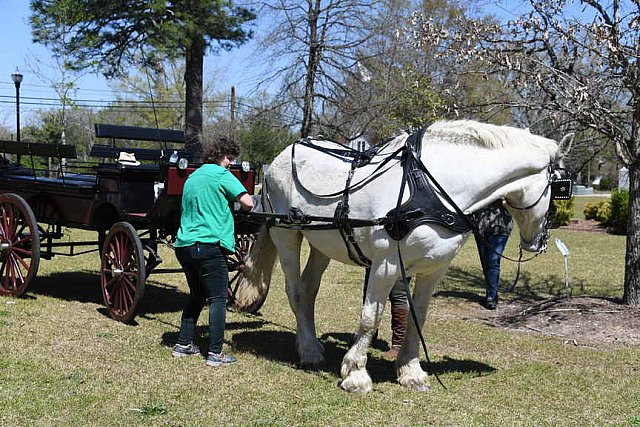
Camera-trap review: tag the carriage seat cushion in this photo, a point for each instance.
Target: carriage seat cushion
(74, 180)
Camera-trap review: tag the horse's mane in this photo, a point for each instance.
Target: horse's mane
(490, 136)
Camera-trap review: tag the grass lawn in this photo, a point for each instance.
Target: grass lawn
(64, 362)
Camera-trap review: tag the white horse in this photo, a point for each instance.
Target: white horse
(475, 164)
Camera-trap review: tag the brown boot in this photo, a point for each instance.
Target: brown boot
(398, 330)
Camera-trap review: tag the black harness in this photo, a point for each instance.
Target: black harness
(424, 205)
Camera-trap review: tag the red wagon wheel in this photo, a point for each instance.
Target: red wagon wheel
(236, 264)
(19, 245)
(122, 273)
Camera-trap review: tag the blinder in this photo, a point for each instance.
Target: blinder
(561, 186)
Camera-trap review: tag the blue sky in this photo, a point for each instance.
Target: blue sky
(16, 50)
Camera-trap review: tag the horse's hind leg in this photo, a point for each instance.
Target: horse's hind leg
(410, 374)
(301, 291)
(353, 370)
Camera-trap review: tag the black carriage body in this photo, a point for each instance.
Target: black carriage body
(133, 204)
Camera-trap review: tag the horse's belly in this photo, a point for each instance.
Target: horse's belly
(331, 243)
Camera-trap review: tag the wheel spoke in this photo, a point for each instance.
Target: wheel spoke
(110, 255)
(6, 277)
(108, 287)
(19, 230)
(122, 297)
(26, 253)
(127, 287)
(25, 240)
(12, 275)
(17, 271)
(125, 255)
(18, 259)
(115, 296)
(5, 223)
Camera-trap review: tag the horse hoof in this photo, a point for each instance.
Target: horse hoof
(313, 363)
(416, 386)
(422, 387)
(357, 382)
(312, 366)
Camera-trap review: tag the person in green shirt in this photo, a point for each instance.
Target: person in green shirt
(206, 235)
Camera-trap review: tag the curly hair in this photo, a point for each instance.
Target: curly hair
(214, 152)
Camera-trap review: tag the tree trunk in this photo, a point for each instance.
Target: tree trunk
(632, 259)
(312, 68)
(193, 80)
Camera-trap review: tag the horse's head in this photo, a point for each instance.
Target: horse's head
(531, 204)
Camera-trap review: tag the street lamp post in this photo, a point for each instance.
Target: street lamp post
(17, 79)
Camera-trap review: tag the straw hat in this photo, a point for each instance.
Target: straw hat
(128, 159)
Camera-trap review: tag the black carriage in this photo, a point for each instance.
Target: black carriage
(129, 195)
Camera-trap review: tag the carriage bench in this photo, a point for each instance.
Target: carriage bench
(134, 133)
(20, 173)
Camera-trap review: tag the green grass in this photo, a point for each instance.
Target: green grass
(64, 362)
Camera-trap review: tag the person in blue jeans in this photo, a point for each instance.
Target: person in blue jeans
(494, 227)
(206, 235)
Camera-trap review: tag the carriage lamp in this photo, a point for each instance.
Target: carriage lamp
(183, 163)
(246, 167)
(173, 159)
(16, 76)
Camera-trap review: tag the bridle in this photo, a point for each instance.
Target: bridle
(560, 185)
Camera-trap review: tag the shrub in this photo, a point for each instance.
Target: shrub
(590, 211)
(564, 212)
(604, 211)
(598, 212)
(619, 211)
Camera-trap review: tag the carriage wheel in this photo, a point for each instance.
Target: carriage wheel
(19, 245)
(122, 273)
(236, 264)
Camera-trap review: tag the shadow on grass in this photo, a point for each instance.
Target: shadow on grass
(526, 289)
(279, 346)
(84, 287)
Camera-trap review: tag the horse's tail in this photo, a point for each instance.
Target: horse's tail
(253, 286)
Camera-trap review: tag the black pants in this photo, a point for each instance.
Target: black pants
(205, 266)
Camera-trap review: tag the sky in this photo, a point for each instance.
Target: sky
(234, 68)
(17, 50)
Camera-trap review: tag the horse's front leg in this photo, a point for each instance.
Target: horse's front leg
(408, 369)
(303, 300)
(354, 370)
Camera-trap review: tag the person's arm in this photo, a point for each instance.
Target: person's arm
(246, 201)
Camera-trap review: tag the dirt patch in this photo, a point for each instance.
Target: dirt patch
(582, 321)
(584, 225)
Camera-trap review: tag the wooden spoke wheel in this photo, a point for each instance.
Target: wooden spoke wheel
(122, 273)
(19, 245)
(236, 265)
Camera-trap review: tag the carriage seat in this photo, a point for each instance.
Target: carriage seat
(162, 137)
(71, 180)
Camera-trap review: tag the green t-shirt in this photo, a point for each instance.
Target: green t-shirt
(206, 216)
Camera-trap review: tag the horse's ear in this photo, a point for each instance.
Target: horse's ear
(565, 145)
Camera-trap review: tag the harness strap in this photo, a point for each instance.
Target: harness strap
(359, 159)
(341, 221)
(414, 316)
